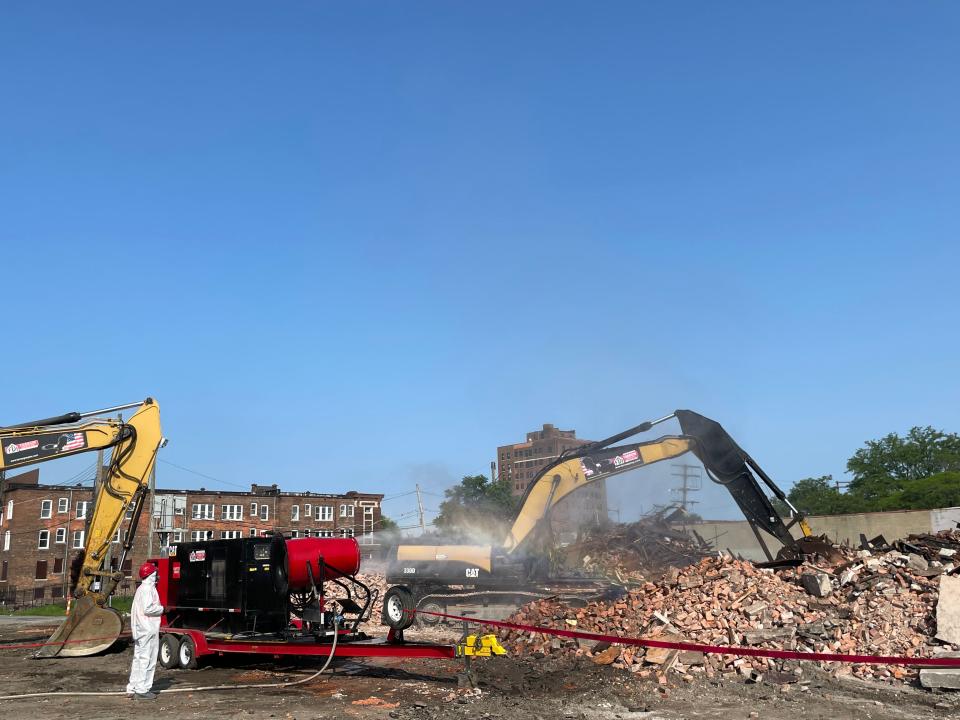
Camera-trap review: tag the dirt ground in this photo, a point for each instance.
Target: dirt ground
(427, 689)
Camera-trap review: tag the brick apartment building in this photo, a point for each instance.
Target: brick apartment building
(42, 527)
(519, 464)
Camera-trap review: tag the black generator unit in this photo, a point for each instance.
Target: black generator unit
(237, 585)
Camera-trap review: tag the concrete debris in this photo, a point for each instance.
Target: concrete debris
(948, 610)
(946, 678)
(817, 584)
(940, 678)
(873, 603)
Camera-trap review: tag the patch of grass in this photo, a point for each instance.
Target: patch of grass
(122, 604)
(54, 609)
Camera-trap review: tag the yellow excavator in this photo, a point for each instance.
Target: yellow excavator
(91, 626)
(428, 577)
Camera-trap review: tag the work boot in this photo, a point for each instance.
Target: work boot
(147, 696)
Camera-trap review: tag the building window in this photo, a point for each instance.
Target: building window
(57, 565)
(61, 536)
(307, 510)
(41, 573)
(264, 512)
(295, 513)
(6, 540)
(82, 508)
(46, 509)
(253, 532)
(253, 510)
(202, 512)
(200, 535)
(230, 534)
(324, 513)
(295, 533)
(56, 592)
(346, 511)
(177, 507)
(346, 532)
(78, 537)
(324, 533)
(9, 509)
(178, 536)
(3, 571)
(63, 505)
(116, 536)
(231, 512)
(43, 540)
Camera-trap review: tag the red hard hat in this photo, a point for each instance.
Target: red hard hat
(147, 569)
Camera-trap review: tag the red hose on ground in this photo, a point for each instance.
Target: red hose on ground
(712, 649)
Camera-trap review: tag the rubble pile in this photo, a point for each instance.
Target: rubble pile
(876, 604)
(941, 547)
(637, 551)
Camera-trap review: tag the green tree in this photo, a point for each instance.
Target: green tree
(883, 468)
(387, 525)
(815, 496)
(819, 496)
(940, 490)
(477, 506)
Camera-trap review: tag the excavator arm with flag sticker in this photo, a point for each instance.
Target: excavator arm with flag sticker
(91, 626)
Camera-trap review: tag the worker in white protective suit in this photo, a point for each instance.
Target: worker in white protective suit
(145, 627)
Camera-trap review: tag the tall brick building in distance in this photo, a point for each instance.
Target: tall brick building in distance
(519, 464)
(42, 527)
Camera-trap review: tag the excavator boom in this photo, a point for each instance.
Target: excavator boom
(725, 462)
(91, 626)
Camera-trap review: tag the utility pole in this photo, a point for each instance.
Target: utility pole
(153, 489)
(493, 471)
(423, 525)
(67, 542)
(691, 479)
(98, 482)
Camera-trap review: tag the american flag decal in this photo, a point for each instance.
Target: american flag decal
(73, 441)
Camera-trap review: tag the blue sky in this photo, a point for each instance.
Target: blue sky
(360, 245)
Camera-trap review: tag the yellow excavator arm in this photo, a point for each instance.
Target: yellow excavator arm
(91, 626)
(567, 476)
(725, 462)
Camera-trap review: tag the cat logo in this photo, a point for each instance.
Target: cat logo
(473, 572)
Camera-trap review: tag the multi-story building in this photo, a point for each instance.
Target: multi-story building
(43, 527)
(520, 463)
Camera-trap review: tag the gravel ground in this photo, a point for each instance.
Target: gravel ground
(428, 689)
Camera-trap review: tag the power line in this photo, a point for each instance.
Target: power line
(200, 474)
(394, 497)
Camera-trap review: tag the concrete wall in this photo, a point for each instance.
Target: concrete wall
(843, 529)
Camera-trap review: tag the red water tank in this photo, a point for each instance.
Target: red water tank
(341, 556)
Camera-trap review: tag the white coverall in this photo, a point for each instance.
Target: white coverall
(145, 626)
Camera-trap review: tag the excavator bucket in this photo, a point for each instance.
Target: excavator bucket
(811, 545)
(87, 630)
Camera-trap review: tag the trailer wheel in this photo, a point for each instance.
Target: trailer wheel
(399, 610)
(431, 606)
(187, 653)
(167, 653)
